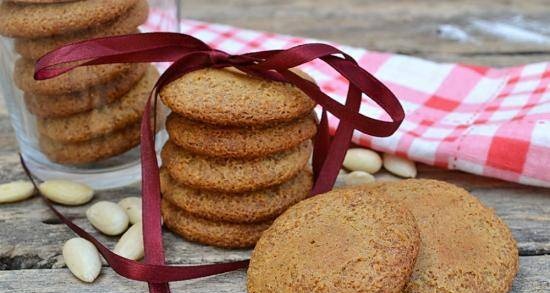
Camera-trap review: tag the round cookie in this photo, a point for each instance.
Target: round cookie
(98, 122)
(76, 80)
(21, 20)
(226, 97)
(91, 98)
(220, 234)
(465, 247)
(41, 1)
(124, 24)
(233, 175)
(92, 150)
(256, 206)
(345, 241)
(238, 142)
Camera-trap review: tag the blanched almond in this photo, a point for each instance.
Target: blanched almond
(132, 207)
(66, 192)
(358, 178)
(82, 259)
(130, 245)
(340, 179)
(366, 160)
(108, 217)
(399, 166)
(386, 177)
(16, 191)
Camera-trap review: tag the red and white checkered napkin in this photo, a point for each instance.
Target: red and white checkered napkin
(487, 121)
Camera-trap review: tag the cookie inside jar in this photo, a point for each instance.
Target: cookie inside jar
(84, 122)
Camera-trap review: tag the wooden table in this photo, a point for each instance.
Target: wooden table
(31, 237)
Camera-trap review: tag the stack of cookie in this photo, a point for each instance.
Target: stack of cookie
(237, 155)
(90, 113)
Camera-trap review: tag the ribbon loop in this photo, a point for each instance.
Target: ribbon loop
(189, 54)
(298, 55)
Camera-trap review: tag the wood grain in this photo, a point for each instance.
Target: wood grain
(22, 249)
(31, 238)
(401, 26)
(524, 209)
(533, 278)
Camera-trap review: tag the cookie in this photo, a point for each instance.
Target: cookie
(238, 142)
(345, 241)
(101, 121)
(76, 80)
(220, 234)
(226, 97)
(41, 1)
(91, 98)
(233, 175)
(465, 247)
(124, 24)
(24, 20)
(256, 206)
(93, 150)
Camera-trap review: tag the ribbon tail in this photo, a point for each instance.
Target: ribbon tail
(159, 288)
(338, 148)
(322, 141)
(151, 199)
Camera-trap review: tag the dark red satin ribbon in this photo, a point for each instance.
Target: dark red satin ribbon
(189, 54)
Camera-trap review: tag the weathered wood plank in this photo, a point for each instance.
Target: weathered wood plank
(409, 27)
(527, 213)
(61, 280)
(525, 209)
(32, 236)
(534, 277)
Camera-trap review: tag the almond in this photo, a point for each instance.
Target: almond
(108, 217)
(132, 207)
(16, 191)
(82, 259)
(399, 166)
(66, 192)
(358, 178)
(130, 245)
(365, 160)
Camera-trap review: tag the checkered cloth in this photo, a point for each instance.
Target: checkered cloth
(482, 120)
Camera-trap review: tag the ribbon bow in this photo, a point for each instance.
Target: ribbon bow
(189, 54)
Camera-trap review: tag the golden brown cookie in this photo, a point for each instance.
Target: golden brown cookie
(221, 234)
(91, 98)
(76, 80)
(465, 247)
(101, 121)
(24, 20)
(233, 175)
(93, 150)
(41, 1)
(238, 142)
(124, 24)
(256, 206)
(345, 241)
(225, 97)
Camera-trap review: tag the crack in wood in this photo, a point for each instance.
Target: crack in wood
(52, 221)
(20, 262)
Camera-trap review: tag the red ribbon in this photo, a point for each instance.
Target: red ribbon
(189, 54)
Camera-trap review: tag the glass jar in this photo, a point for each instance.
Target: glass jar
(84, 125)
